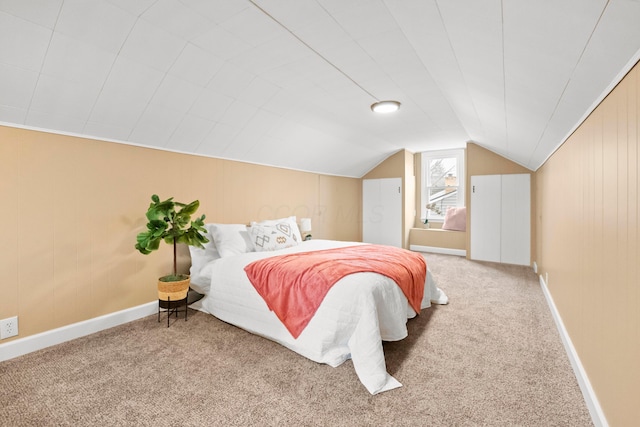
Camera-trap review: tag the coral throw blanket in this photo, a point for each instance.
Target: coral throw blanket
(294, 285)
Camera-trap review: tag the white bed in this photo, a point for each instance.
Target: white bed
(358, 313)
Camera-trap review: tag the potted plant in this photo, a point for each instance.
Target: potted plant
(171, 221)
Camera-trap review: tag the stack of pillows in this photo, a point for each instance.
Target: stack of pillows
(234, 239)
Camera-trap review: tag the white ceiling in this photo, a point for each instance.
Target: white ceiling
(290, 82)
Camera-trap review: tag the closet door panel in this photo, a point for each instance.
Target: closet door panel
(382, 211)
(486, 199)
(515, 236)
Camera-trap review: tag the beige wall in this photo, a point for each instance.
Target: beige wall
(400, 165)
(409, 195)
(480, 161)
(588, 244)
(439, 238)
(72, 208)
(417, 197)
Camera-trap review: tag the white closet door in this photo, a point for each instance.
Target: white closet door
(382, 211)
(515, 237)
(486, 199)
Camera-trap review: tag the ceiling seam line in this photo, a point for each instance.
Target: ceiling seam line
(504, 80)
(453, 53)
(107, 77)
(419, 59)
(313, 50)
(182, 119)
(164, 77)
(358, 44)
(408, 96)
(53, 31)
(564, 89)
(423, 66)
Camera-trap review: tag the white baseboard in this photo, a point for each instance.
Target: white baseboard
(445, 251)
(597, 415)
(32, 343)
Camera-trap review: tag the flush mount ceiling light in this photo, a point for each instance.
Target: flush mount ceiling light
(384, 107)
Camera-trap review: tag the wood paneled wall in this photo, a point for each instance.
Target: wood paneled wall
(587, 246)
(71, 209)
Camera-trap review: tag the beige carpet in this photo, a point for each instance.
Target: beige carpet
(492, 357)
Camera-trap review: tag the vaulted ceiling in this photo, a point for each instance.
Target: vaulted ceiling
(290, 82)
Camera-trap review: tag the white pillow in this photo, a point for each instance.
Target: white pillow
(231, 239)
(272, 237)
(200, 257)
(291, 221)
(201, 282)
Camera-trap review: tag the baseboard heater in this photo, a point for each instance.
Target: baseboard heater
(437, 250)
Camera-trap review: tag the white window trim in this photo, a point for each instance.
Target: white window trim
(426, 156)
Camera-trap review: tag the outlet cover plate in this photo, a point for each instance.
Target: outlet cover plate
(9, 327)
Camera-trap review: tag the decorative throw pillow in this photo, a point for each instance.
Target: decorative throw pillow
(231, 239)
(291, 220)
(266, 237)
(455, 219)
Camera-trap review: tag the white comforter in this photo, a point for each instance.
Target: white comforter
(359, 312)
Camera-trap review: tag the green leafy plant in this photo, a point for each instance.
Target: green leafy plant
(171, 221)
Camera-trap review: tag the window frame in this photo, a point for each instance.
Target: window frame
(426, 157)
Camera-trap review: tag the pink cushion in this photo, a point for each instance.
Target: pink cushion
(455, 219)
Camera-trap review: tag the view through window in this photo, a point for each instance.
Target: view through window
(442, 182)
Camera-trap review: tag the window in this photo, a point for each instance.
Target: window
(442, 182)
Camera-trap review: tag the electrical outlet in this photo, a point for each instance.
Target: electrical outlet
(546, 278)
(9, 327)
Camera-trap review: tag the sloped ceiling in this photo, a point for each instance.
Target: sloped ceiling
(290, 82)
